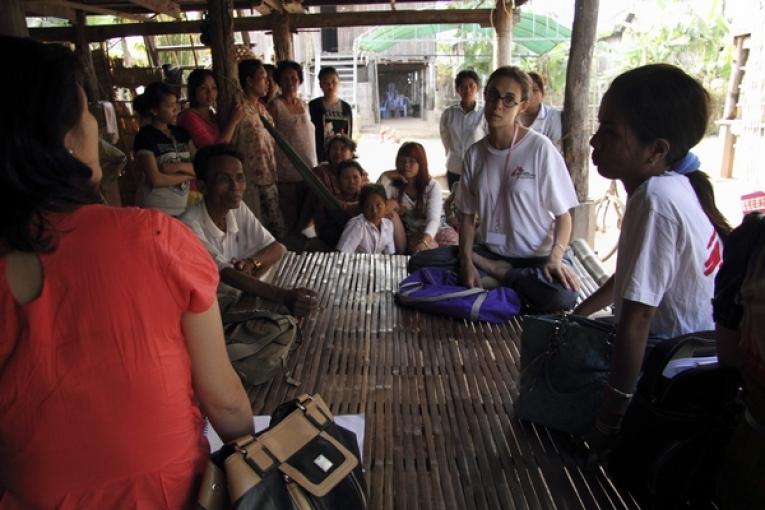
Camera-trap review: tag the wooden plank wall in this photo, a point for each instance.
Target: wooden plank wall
(437, 395)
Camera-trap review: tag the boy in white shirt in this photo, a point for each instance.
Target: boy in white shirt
(369, 232)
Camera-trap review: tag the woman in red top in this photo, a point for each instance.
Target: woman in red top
(201, 120)
(110, 328)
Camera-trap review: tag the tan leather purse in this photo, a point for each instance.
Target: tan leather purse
(304, 460)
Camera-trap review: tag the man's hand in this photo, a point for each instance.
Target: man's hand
(300, 301)
(246, 266)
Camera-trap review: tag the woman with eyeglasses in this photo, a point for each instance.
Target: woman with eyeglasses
(516, 186)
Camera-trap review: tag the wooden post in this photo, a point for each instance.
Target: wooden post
(575, 138)
(730, 109)
(503, 26)
(576, 148)
(151, 50)
(282, 37)
(13, 20)
(245, 34)
(82, 50)
(221, 19)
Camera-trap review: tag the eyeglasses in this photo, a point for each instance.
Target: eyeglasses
(492, 96)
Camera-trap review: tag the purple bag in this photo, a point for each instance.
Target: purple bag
(438, 291)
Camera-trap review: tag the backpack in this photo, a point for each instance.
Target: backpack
(258, 343)
(676, 428)
(437, 290)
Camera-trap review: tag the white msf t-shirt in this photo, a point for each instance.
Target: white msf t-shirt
(668, 256)
(517, 193)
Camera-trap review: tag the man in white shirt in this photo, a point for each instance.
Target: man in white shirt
(462, 124)
(241, 247)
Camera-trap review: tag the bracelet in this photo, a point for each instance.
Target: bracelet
(256, 264)
(619, 393)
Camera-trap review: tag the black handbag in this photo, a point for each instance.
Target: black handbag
(565, 362)
(304, 460)
(675, 431)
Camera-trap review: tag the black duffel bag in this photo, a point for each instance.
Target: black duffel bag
(676, 428)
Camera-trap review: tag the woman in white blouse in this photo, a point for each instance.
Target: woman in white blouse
(415, 196)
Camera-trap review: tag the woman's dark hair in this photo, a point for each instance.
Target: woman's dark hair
(38, 175)
(538, 81)
(417, 151)
(368, 190)
(283, 66)
(514, 73)
(205, 154)
(706, 195)
(662, 101)
(349, 163)
(152, 97)
(196, 79)
(466, 74)
(247, 69)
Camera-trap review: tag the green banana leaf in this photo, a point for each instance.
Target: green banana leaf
(334, 209)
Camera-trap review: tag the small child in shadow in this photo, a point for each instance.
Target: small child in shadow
(369, 232)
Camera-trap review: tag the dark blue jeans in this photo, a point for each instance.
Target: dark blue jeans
(538, 295)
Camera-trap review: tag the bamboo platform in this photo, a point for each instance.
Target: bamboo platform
(437, 395)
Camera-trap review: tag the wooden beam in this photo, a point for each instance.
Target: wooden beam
(576, 147)
(282, 36)
(97, 33)
(13, 22)
(168, 7)
(87, 8)
(46, 9)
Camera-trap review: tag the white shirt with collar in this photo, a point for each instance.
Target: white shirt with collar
(549, 122)
(459, 130)
(244, 235)
(360, 236)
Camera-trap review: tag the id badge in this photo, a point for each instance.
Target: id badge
(496, 238)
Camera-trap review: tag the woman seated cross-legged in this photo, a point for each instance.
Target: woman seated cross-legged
(351, 177)
(415, 197)
(516, 185)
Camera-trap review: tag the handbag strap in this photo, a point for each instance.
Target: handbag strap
(406, 295)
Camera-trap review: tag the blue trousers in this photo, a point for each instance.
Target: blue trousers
(538, 295)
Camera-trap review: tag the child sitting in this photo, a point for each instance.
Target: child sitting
(369, 232)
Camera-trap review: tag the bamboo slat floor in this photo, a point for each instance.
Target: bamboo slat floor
(437, 395)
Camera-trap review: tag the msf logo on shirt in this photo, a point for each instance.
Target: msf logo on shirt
(520, 173)
(715, 254)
